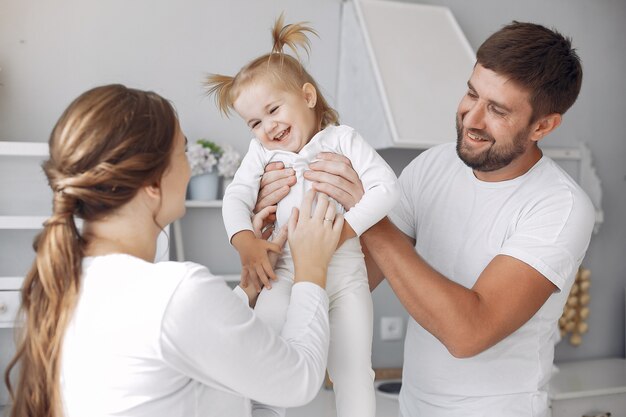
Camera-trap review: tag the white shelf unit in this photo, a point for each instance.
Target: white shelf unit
(36, 150)
(178, 234)
(10, 285)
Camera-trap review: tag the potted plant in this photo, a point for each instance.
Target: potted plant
(203, 158)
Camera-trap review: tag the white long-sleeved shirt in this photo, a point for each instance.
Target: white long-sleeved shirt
(162, 339)
(379, 181)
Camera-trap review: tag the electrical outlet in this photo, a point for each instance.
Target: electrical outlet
(391, 328)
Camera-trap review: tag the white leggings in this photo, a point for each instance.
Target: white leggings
(350, 353)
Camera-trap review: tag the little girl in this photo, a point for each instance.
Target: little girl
(292, 123)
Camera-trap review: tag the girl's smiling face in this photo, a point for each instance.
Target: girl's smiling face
(279, 118)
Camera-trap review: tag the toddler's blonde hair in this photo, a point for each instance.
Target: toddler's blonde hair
(280, 68)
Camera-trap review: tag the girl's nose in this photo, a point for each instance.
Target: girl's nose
(270, 127)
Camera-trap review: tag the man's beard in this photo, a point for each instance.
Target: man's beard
(496, 156)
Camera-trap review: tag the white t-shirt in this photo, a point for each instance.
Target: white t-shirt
(460, 224)
(163, 339)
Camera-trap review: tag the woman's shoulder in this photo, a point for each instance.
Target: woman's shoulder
(127, 268)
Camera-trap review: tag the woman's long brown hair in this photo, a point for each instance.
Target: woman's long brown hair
(109, 142)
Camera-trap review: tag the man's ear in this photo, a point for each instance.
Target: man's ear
(544, 126)
(310, 94)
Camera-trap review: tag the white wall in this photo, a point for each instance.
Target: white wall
(52, 51)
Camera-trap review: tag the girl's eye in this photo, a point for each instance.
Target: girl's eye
(254, 125)
(273, 109)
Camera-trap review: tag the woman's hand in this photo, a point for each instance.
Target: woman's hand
(313, 238)
(333, 175)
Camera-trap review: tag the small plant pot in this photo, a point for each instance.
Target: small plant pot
(204, 187)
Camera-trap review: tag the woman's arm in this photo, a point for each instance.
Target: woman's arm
(210, 336)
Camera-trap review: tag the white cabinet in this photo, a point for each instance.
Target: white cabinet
(589, 388)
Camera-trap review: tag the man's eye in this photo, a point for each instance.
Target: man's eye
(472, 94)
(497, 111)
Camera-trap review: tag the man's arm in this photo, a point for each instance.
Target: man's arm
(466, 321)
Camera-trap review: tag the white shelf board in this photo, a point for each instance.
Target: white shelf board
(22, 222)
(200, 204)
(11, 283)
(23, 148)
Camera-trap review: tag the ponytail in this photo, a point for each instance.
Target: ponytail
(49, 295)
(292, 35)
(221, 87)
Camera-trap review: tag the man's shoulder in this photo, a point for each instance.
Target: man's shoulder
(437, 157)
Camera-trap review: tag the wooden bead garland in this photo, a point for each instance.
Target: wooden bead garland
(576, 310)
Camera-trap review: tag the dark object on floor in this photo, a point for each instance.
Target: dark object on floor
(390, 387)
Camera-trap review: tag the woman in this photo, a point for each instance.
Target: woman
(109, 332)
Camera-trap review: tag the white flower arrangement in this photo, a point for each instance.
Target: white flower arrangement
(203, 156)
(228, 162)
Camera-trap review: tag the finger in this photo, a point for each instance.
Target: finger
(254, 279)
(270, 187)
(307, 203)
(338, 223)
(271, 199)
(267, 266)
(331, 156)
(334, 166)
(267, 231)
(281, 236)
(329, 216)
(321, 206)
(274, 173)
(273, 166)
(293, 220)
(331, 178)
(273, 247)
(263, 277)
(259, 219)
(337, 194)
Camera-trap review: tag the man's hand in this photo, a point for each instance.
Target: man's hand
(333, 175)
(275, 184)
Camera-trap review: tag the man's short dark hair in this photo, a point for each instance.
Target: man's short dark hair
(539, 60)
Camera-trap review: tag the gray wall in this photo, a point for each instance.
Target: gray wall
(52, 51)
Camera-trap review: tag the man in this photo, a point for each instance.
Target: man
(486, 241)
